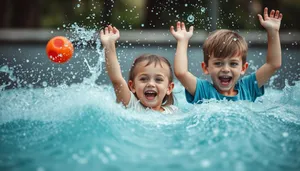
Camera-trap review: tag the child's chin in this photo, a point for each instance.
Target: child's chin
(150, 104)
(224, 88)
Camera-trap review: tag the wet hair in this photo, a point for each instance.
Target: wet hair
(157, 60)
(224, 43)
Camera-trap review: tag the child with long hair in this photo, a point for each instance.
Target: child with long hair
(150, 82)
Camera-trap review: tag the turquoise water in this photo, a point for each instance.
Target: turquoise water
(79, 127)
(63, 117)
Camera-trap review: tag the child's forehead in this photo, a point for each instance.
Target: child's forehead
(234, 57)
(154, 66)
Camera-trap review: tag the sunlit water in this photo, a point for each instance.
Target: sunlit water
(80, 127)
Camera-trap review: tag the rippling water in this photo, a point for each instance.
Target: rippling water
(79, 127)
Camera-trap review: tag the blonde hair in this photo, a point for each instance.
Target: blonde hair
(168, 99)
(224, 43)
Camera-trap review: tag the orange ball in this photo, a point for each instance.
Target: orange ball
(59, 49)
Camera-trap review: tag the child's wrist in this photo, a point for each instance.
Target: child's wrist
(272, 32)
(111, 43)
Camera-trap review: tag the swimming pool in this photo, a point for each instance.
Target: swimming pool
(63, 117)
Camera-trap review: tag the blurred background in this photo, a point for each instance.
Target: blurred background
(26, 26)
(148, 14)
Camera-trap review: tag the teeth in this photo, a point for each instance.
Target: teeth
(150, 92)
(225, 77)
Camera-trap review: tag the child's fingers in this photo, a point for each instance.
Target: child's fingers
(191, 29)
(106, 30)
(110, 29)
(101, 32)
(266, 13)
(280, 16)
(172, 30)
(276, 14)
(272, 13)
(178, 26)
(183, 26)
(260, 18)
(115, 30)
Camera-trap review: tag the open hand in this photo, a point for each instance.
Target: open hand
(271, 22)
(181, 33)
(109, 35)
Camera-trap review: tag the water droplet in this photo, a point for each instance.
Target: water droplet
(285, 134)
(191, 18)
(260, 53)
(185, 5)
(202, 10)
(142, 25)
(205, 163)
(78, 5)
(44, 84)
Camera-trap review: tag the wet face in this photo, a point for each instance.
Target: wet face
(225, 72)
(151, 84)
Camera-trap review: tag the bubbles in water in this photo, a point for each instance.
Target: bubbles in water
(191, 18)
(142, 25)
(78, 5)
(260, 53)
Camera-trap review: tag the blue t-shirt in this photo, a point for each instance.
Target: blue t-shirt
(246, 87)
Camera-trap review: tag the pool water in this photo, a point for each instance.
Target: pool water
(79, 127)
(64, 117)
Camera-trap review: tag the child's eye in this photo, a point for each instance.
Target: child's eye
(218, 63)
(159, 79)
(143, 79)
(234, 64)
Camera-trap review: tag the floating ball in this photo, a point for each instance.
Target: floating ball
(59, 49)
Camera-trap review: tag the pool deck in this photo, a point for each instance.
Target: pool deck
(253, 37)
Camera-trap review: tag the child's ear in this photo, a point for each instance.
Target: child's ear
(131, 86)
(170, 88)
(244, 68)
(204, 68)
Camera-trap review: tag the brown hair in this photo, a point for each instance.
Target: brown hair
(224, 43)
(168, 99)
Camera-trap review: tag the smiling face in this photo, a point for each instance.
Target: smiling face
(151, 83)
(225, 72)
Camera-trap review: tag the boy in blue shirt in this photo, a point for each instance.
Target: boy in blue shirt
(225, 54)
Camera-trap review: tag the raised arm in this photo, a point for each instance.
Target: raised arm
(187, 79)
(108, 37)
(273, 60)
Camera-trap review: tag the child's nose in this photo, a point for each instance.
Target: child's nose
(225, 68)
(151, 83)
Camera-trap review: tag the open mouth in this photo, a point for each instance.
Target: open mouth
(225, 80)
(150, 94)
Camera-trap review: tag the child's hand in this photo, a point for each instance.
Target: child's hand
(271, 22)
(181, 33)
(109, 35)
